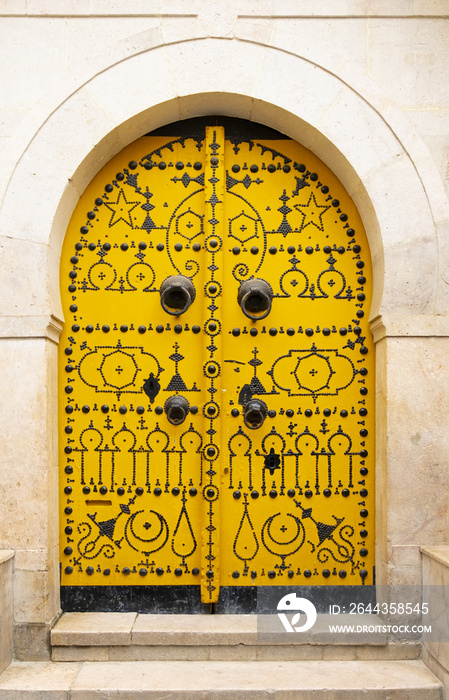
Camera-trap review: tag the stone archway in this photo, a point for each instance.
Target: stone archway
(92, 123)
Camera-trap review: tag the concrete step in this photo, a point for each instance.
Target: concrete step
(133, 637)
(220, 680)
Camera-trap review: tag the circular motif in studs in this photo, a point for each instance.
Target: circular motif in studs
(212, 326)
(211, 452)
(211, 410)
(211, 369)
(212, 289)
(210, 493)
(213, 244)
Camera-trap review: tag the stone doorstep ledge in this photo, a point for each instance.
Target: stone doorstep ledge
(6, 555)
(229, 680)
(440, 553)
(435, 576)
(126, 629)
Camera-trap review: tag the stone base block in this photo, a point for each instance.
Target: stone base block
(32, 642)
(6, 608)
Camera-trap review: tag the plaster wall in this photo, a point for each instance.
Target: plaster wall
(361, 83)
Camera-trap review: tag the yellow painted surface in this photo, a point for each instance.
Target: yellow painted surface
(210, 500)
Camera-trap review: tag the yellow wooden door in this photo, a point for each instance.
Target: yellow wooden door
(216, 372)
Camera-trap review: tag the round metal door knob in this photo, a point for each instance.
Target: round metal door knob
(254, 297)
(254, 413)
(177, 294)
(176, 408)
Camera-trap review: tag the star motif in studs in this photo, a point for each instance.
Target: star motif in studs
(312, 213)
(121, 210)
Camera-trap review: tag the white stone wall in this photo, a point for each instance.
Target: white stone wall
(362, 83)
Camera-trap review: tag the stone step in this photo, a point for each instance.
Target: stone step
(133, 637)
(217, 680)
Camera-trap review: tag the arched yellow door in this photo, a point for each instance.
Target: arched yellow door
(216, 376)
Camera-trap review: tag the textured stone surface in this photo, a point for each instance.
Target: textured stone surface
(6, 608)
(120, 629)
(32, 641)
(191, 629)
(238, 652)
(333, 680)
(96, 629)
(435, 578)
(38, 681)
(289, 680)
